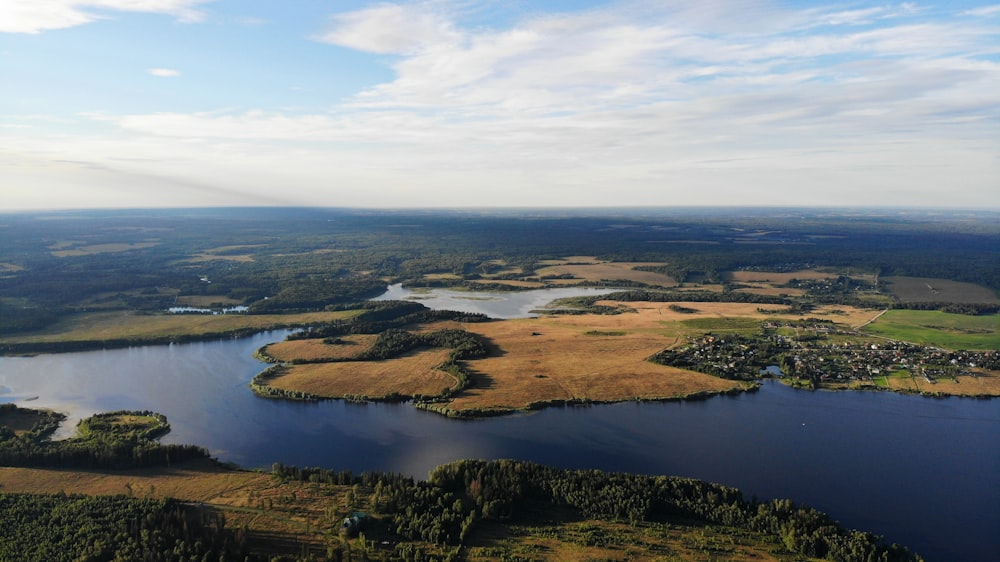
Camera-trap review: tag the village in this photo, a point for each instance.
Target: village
(820, 352)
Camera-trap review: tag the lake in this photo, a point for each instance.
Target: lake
(923, 472)
(495, 304)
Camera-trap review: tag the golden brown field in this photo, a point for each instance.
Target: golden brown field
(276, 514)
(411, 374)
(985, 384)
(206, 301)
(775, 277)
(100, 249)
(128, 325)
(551, 358)
(316, 350)
(590, 269)
(512, 283)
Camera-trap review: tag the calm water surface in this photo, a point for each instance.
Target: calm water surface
(923, 472)
(495, 304)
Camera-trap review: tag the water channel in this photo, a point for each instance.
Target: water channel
(923, 472)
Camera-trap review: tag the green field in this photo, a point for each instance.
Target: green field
(940, 329)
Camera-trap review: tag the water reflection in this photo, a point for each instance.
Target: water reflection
(921, 471)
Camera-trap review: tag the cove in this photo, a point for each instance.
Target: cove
(495, 304)
(923, 472)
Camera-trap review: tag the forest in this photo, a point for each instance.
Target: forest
(414, 518)
(292, 260)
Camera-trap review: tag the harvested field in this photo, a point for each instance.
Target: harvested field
(771, 290)
(408, 375)
(925, 289)
(597, 271)
(315, 350)
(775, 277)
(101, 249)
(275, 514)
(515, 283)
(985, 384)
(206, 301)
(128, 325)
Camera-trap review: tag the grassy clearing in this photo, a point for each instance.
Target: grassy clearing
(206, 301)
(411, 374)
(132, 326)
(589, 269)
(733, 324)
(775, 277)
(347, 347)
(89, 250)
(276, 514)
(984, 384)
(924, 289)
(570, 537)
(940, 329)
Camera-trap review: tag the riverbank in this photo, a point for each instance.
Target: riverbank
(111, 330)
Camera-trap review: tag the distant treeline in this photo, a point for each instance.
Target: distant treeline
(457, 496)
(293, 260)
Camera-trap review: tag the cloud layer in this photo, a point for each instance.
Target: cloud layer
(626, 104)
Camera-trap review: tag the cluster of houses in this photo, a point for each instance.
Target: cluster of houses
(815, 356)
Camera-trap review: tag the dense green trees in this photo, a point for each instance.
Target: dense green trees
(447, 507)
(57, 528)
(101, 446)
(282, 260)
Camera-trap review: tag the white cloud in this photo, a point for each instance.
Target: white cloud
(35, 16)
(164, 72)
(983, 12)
(644, 106)
(389, 29)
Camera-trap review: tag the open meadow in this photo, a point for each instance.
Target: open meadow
(414, 373)
(940, 329)
(923, 289)
(131, 326)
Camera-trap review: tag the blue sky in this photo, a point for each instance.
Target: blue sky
(439, 103)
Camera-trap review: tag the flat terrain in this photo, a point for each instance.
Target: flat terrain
(985, 384)
(129, 325)
(924, 289)
(315, 350)
(940, 329)
(553, 358)
(409, 375)
(587, 268)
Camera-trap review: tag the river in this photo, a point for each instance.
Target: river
(923, 472)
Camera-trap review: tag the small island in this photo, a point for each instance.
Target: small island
(88, 498)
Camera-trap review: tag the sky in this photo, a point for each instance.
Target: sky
(514, 103)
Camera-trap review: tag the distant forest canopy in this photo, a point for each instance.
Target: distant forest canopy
(282, 260)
